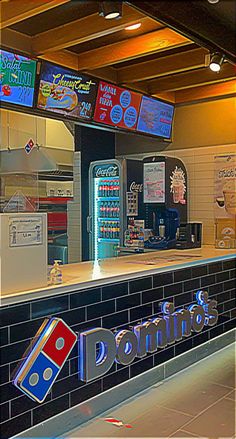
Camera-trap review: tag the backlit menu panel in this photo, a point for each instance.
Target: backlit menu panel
(155, 117)
(66, 92)
(17, 79)
(117, 106)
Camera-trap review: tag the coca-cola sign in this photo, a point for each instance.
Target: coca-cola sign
(110, 171)
(136, 187)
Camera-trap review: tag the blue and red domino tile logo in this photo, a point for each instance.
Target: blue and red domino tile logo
(53, 344)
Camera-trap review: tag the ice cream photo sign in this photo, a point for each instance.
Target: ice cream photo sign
(17, 78)
(66, 92)
(117, 106)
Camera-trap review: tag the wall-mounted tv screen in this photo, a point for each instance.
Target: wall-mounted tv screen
(17, 79)
(155, 117)
(117, 106)
(66, 92)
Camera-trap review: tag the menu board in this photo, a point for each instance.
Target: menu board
(66, 92)
(154, 182)
(17, 79)
(155, 117)
(117, 106)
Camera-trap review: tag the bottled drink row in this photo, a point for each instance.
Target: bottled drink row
(109, 188)
(109, 230)
(109, 209)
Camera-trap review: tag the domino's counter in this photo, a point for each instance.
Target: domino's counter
(114, 294)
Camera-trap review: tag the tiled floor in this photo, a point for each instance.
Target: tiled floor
(198, 402)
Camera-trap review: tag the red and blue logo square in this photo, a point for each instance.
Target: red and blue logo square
(54, 342)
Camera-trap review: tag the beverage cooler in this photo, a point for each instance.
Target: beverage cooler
(115, 193)
(105, 223)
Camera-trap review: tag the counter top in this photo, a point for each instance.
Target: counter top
(90, 274)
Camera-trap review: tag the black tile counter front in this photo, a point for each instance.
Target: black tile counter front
(117, 305)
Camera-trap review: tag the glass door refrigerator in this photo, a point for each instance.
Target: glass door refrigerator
(105, 221)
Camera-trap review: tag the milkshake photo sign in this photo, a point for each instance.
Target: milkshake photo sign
(17, 79)
(154, 182)
(66, 92)
(117, 106)
(178, 185)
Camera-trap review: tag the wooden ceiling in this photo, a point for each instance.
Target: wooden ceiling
(154, 59)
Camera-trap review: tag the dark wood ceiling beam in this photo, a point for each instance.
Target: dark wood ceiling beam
(194, 20)
(190, 79)
(84, 29)
(163, 66)
(17, 10)
(142, 45)
(10, 39)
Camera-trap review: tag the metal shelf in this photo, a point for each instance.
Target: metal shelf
(108, 240)
(101, 218)
(107, 198)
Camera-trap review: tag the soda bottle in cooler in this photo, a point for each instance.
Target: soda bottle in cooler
(100, 210)
(108, 230)
(112, 188)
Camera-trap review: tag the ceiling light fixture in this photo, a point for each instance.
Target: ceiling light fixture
(110, 9)
(133, 26)
(213, 2)
(216, 62)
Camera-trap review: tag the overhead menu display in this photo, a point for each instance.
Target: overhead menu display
(17, 79)
(66, 92)
(117, 106)
(155, 117)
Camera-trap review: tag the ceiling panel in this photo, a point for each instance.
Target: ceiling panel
(148, 26)
(58, 16)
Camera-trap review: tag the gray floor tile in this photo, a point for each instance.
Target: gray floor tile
(192, 398)
(193, 403)
(232, 395)
(182, 433)
(218, 421)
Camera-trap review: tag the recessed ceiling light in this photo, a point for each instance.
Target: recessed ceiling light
(133, 26)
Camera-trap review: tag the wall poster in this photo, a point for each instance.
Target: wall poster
(25, 231)
(225, 186)
(225, 201)
(154, 182)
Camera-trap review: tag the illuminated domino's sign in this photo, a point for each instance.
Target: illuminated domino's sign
(99, 348)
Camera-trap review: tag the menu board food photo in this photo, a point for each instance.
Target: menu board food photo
(117, 106)
(66, 92)
(17, 79)
(155, 117)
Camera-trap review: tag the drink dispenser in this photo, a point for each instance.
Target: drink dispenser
(165, 199)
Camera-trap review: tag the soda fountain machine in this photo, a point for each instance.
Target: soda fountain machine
(165, 198)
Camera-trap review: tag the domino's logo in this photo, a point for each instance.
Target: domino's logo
(99, 348)
(53, 344)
